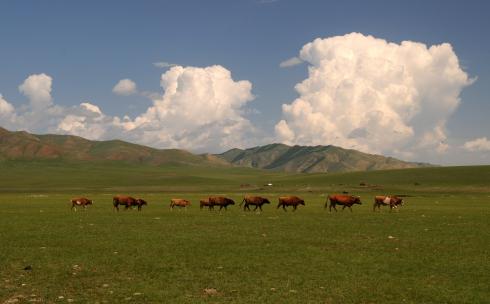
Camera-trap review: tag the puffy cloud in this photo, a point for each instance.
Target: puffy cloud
(90, 107)
(6, 109)
(290, 62)
(7, 113)
(125, 87)
(201, 109)
(38, 89)
(478, 144)
(369, 94)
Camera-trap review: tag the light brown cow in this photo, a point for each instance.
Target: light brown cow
(179, 202)
(80, 201)
(256, 201)
(286, 201)
(392, 201)
(342, 199)
(220, 201)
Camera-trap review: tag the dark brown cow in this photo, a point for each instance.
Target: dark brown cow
(80, 201)
(256, 201)
(128, 202)
(286, 201)
(344, 200)
(392, 201)
(179, 202)
(140, 203)
(220, 201)
(205, 203)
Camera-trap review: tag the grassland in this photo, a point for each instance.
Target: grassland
(434, 250)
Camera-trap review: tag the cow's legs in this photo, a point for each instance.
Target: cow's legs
(295, 207)
(350, 208)
(256, 207)
(284, 208)
(343, 207)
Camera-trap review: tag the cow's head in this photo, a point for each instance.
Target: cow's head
(302, 202)
(230, 201)
(357, 200)
(266, 201)
(90, 202)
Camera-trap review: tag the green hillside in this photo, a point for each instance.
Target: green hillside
(282, 157)
(32, 176)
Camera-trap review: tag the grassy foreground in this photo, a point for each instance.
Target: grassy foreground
(434, 250)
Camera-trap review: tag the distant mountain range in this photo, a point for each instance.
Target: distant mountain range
(25, 146)
(309, 159)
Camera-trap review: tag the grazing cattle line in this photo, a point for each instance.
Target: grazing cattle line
(343, 200)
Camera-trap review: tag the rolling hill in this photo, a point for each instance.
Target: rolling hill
(25, 146)
(309, 159)
(278, 157)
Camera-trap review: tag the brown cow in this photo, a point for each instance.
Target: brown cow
(392, 201)
(179, 202)
(220, 201)
(140, 203)
(286, 201)
(80, 201)
(256, 201)
(205, 203)
(344, 200)
(128, 202)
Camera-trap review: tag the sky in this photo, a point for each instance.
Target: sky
(408, 79)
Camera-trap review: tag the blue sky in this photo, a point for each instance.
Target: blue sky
(86, 47)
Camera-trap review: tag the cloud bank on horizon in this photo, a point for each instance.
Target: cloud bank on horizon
(361, 92)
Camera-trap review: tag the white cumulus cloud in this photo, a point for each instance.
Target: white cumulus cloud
(37, 88)
(367, 93)
(125, 87)
(478, 144)
(200, 109)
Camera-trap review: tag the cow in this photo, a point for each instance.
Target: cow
(392, 201)
(205, 203)
(128, 202)
(220, 201)
(80, 201)
(344, 200)
(286, 201)
(140, 203)
(256, 201)
(179, 202)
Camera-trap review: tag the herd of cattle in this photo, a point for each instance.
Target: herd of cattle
(256, 201)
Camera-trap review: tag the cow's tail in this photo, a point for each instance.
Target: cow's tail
(114, 201)
(243, 201)
(326, 201)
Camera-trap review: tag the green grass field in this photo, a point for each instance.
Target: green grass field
(435, 249)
